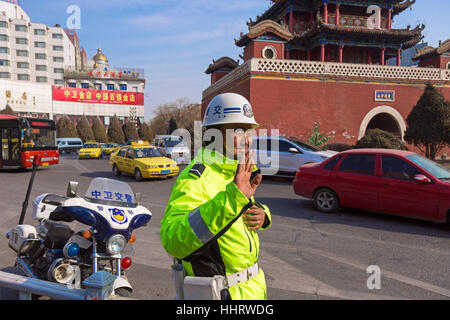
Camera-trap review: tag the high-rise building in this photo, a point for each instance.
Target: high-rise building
(32, 52)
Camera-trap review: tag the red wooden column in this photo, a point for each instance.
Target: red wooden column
(322, 52)
(399, 57)
(291, 20)
(338, 14)
(389, 25)
(325, 13)
(311, 19)
(369, 56)
(308, 55)
(288, 53)
(382, 55)
(341, 53)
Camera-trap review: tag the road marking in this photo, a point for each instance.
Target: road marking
(384, 273)
(286, 277)
(80, 167)
(382, 242)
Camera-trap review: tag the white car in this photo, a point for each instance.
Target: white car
(173, 147)
(283, 156)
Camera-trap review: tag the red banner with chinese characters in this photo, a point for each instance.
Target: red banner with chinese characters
(98, 96)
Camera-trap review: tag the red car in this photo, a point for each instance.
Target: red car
(380, 180)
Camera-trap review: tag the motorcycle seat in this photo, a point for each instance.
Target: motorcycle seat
(57, 235)
(54, 200)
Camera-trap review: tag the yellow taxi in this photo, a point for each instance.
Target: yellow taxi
(108, 148)
(143, 161)
(90, 150)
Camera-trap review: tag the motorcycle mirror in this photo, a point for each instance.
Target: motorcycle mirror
(72, 188)
(138, 197)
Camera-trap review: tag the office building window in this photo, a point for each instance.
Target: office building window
(23, 77)
(59, 82)
(58, 70)
(4, 50)
(20, 27)
(85, 85)
(41, 79)
(39, 32)
(39, 44)
(3, 37)
(23, 65)
(110, 87)
(22, 53)
(58, 59)
(123, 87)
(58, 48)
(41, 56)
(98, 86)
(5, 75)
(57, 36)
(4, 62)
(3, 24)
(41, 67)
(21, 41)
(72, 84)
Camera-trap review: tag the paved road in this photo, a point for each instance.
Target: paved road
(305, 255)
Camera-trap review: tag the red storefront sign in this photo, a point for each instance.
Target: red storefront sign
(98, 96)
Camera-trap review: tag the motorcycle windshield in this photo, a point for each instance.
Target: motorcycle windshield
(111, 192)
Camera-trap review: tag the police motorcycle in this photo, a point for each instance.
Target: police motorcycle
(53, 251)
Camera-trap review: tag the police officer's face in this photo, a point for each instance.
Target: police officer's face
(237, 140)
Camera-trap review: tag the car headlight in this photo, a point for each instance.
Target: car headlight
(152, 167)
(116, 244)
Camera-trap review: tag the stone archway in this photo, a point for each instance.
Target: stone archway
(384, 118)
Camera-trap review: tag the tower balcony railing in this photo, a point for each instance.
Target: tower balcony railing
(328, 69)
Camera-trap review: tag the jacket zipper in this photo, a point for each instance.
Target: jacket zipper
(249, 241)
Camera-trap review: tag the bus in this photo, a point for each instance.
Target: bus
(22, 138)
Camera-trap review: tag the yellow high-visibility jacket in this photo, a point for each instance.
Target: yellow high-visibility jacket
(203, 224)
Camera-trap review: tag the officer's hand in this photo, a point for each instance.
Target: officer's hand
(243, 174)
(254, 218)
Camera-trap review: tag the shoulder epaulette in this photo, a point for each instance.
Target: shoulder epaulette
(197, 169)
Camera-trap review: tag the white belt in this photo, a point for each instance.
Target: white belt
(242, 276)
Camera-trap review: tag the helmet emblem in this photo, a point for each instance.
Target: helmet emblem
(248, 112)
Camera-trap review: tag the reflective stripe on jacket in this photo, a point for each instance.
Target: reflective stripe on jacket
(203, 224)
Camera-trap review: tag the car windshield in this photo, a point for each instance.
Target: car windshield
(147, 153)
(110, 192)
(430, 166)
(303, 145)
(173, 142)
(90, 146)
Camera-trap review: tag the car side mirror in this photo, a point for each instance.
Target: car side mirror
(293, 150)
(422, 178)
(72, 188)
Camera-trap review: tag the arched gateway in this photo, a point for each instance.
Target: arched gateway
(384, 118)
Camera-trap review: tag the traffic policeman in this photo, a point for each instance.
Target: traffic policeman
(212, 218)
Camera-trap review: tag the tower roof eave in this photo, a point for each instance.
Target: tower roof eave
(429, 51)
(224, 62)
(263, 27)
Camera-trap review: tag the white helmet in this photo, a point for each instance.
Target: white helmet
(229, 108)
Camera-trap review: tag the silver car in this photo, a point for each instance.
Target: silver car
(173, 147)
(283, 156)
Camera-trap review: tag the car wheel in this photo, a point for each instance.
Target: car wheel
(326, 200)
(138, 175)
(116, 171)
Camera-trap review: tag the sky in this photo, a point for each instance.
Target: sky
(176, 40)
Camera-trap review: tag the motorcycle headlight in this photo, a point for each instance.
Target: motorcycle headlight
(116, 244)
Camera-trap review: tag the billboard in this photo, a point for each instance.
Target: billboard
(80, 95)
